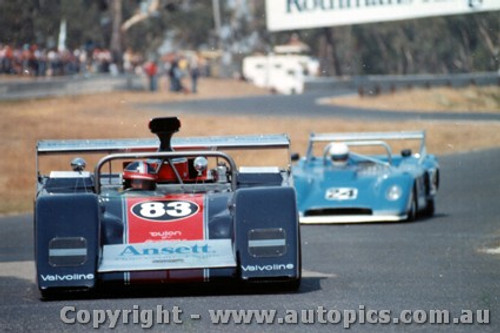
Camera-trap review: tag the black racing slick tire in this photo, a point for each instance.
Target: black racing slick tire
(51, 294)
(430, 209)
(292, 285)
(412, 210)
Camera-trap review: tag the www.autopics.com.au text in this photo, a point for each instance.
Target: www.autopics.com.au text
(161, 315)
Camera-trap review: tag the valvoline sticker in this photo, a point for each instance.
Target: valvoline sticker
(173, 217)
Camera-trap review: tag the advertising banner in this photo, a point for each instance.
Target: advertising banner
(305, 14)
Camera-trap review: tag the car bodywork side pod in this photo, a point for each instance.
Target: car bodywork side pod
(67, 241)
(267, 234)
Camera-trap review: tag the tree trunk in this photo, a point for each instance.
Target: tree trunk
(467, 61)
(332, 54)
(116, 37)
(488, 40)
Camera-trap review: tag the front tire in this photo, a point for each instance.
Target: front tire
(430, 208)
(412, 211)
(291, 286)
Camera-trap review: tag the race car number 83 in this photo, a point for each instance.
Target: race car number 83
(164, 211)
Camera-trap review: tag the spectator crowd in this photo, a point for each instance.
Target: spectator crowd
(178, 68)
(181, 69)
(31, 60)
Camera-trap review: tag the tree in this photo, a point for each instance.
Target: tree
(447, 44)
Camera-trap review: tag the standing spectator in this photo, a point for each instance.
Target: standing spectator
(128, 67)
(25, 60)
(127, 61)
(41, 59)
(183, 71)
(9, 60)
(101, 58)
(69, 63)
(166, 69)
(194, 71)
(105, 58)
(151, 70)
(83, 62)
(171, 75)
(175, 74)
(53, 59)
(17, 63)
(3, 58)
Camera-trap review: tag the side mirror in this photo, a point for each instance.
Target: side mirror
(78, 164)
(200, 164)
(295, 157)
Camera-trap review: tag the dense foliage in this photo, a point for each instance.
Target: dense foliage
(449, 44)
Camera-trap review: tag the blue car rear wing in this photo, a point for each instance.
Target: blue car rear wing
(369, 138)
(361, 136)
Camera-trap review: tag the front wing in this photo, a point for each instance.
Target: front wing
(329, 219)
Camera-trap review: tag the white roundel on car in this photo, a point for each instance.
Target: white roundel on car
(165, 210)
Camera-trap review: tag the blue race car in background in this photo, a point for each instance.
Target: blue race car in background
(336, 183)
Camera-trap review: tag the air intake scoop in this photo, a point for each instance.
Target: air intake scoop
(164, 128)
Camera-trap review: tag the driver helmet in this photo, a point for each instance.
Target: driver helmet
(339, 154)
(139, 175)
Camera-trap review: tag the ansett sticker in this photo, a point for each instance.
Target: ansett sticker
(167, 255)
(165, 210)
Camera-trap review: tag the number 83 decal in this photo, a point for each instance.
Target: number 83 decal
(165, 210)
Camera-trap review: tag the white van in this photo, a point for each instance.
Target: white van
(281, 73)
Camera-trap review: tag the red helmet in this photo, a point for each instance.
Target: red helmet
(139, 175)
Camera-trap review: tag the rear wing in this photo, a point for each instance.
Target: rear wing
(109, 146)
(368, 138)
(117, 146)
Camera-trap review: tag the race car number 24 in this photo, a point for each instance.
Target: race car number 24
(165, 211)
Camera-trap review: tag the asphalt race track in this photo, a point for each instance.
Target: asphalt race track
(306, 105)
(450, 262)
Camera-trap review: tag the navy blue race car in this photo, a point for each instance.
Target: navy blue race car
(344, 178)
(164, 211)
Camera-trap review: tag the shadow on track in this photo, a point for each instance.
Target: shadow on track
(308, 284)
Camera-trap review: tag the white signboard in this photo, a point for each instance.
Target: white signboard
(305, 14)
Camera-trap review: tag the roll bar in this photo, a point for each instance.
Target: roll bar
(366, 143)
(167, 156)
(368, 138)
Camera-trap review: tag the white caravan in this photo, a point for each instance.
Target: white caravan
(284, 74)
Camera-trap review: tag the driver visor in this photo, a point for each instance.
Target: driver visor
(342, 157)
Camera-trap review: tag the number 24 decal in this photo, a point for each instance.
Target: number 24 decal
(165, 210)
